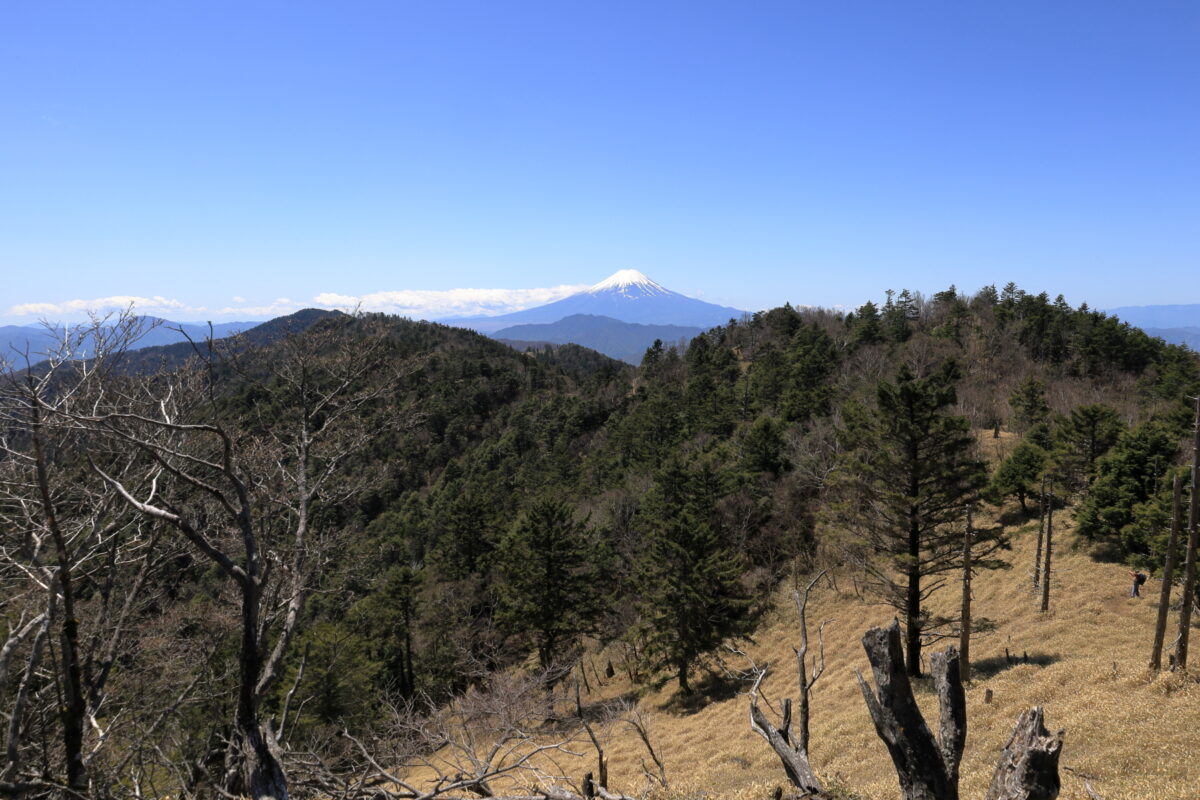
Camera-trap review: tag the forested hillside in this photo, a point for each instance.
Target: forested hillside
(286, 561)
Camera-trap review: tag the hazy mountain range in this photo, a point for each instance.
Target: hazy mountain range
(620, 317)
(1178, 324)
(626, 341)
(41, 340)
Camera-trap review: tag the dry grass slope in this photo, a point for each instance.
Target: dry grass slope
(1132, 734)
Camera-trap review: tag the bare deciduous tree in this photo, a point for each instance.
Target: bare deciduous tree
(247, 496)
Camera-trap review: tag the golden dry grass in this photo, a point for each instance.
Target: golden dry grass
(1134, 735)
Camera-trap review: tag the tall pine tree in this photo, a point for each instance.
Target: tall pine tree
(692, 598)
(910, 475)
(550, 589)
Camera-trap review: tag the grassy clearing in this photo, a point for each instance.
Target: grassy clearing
(1133, 734)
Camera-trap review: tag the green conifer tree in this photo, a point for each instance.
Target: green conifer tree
(910, 474)
(550, 588)
(692, 598)
(1018, 474)
(1029, 403)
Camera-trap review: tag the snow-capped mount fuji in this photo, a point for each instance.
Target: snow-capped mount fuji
(630, 283)
(626, 295)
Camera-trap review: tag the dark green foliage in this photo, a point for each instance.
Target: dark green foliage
(898, 315)
(1042, 436)
(1029, 403)
(812, 358)
(1146, 536)
(692, 598)
(339, 678)
(390, 613)
(865, 325)
(1129, 475)
(552, 587)
(1085, 435)
(910, 474)
(762, 449)
(1018, 475)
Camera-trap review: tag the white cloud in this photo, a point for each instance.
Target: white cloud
(422, 304)
(429, 304)
(281, 306)
(143, 305)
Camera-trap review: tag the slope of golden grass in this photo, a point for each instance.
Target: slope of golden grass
(1132, 734)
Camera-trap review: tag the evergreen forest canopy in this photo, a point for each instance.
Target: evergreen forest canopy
(236, 565)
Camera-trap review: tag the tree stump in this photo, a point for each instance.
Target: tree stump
(928, 767)
(1028, 766)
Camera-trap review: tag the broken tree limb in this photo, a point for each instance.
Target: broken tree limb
(794, 759)
(1028, 766)
(807, 682)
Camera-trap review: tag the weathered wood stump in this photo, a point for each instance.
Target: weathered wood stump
(927, 767)
(1028, 766)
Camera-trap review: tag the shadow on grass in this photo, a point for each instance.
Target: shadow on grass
(1016, 518)
(1106, 551)
(712, 688)
(606, 709)
(988, 667)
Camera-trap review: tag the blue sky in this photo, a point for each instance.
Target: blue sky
(234, 160)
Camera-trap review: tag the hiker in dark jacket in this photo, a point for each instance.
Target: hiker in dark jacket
(1138, 579)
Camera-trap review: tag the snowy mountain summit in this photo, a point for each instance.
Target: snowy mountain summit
(630, 283)
(627, 296)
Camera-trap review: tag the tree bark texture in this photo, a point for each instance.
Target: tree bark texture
(1049, 549)
(964, 638)
(1189, 570)
(927, 769)
(1037, 554)
(1028, 766)
(795, 762)
(1164, 600)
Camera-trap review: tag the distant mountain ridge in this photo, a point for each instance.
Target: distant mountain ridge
(1189, 336)
(1162, 317)
(626, 341)
(626, 296)
(40, 340)
(1177, 324)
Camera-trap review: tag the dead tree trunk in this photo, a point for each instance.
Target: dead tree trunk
(1164, 600)
(1189, 570)
(792, 749)
(807, 683)
(964, 636)
(1049, 550)
(794, 760)
(928, 768)
(1037, 555)
(1028, 766)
